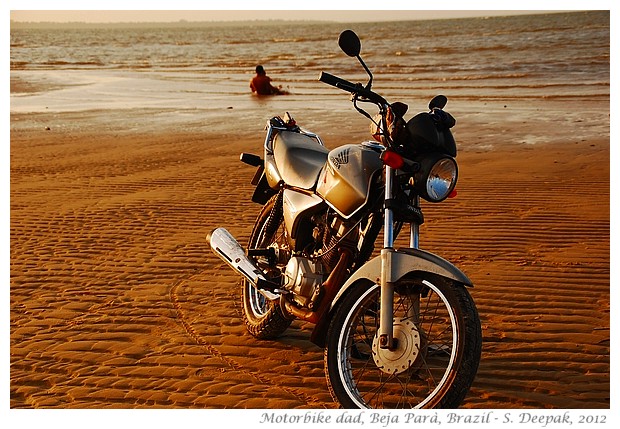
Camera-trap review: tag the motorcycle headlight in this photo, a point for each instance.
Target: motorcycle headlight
(436, 177)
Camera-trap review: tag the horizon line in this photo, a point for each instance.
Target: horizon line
(279, 20)
(360, 19)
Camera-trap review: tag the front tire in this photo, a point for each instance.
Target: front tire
(263, 318)
(438, 348)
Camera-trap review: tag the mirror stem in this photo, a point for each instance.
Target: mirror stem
(369, 84)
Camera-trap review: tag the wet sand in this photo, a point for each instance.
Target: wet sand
(117, 302)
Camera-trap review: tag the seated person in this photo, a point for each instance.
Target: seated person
(261, 83)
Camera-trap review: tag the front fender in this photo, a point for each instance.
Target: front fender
(406, 261)
(403, 262)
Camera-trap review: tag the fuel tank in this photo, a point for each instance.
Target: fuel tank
(345, 180)
(297, 160)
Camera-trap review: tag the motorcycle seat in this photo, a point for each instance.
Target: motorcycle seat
(299, 158)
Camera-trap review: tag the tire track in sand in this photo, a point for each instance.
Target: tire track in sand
(229, 361)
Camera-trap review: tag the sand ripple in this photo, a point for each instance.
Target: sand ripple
(116, 300)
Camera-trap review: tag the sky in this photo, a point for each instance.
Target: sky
(240, 10)
(235, 15)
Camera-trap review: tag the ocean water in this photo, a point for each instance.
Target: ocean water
(194, 70)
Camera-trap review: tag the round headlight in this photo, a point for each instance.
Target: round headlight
(436, 178)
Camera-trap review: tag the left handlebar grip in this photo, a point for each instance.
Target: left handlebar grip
(353, 88)
(340, 83)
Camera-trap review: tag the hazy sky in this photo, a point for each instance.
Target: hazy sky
(220, 15)
(347, 10)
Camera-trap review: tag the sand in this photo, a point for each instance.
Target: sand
(116, 300)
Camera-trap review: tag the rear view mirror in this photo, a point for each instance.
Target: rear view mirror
(350, 43)
(438, 102)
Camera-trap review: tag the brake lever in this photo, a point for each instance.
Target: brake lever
(382, 111)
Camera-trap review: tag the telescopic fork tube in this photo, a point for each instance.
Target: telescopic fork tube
(414, 238)
(386, 316)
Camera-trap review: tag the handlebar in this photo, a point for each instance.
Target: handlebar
(340, 83)
(353, 88)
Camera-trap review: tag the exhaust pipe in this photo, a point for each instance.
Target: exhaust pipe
(230, 251)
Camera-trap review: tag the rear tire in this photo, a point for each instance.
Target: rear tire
(263, 318)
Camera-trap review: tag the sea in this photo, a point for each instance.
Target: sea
(193, 71)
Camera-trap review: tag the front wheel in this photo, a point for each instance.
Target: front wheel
(436, 354)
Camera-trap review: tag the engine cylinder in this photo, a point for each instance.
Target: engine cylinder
(330, 257)
(332, 247)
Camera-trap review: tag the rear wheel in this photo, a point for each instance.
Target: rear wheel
(264, 318)
(437, 351)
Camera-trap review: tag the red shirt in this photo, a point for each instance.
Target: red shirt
(261, 84)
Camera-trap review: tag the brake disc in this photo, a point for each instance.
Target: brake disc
(403, 356)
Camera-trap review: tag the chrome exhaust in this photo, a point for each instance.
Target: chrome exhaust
(230, 251)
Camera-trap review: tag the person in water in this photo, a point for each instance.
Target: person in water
(261, 83)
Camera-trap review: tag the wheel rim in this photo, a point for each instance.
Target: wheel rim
(258, 303)
(382, 382)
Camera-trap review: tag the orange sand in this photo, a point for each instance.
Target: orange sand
(116, 300)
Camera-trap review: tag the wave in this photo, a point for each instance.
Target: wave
(279, 40)
(61, 63)
(596, 96)
(502, 53)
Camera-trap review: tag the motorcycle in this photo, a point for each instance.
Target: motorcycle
(399, 327)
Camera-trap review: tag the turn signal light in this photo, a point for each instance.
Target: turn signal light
(392, 159)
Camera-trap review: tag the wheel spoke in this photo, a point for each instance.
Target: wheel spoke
(371, 374)
(263, 318)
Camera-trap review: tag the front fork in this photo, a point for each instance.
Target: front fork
(386, 315)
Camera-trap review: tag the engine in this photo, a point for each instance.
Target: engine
(303, 277)
(305, 272)
(337, 236)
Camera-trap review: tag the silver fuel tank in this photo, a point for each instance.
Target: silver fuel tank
(344, 182)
